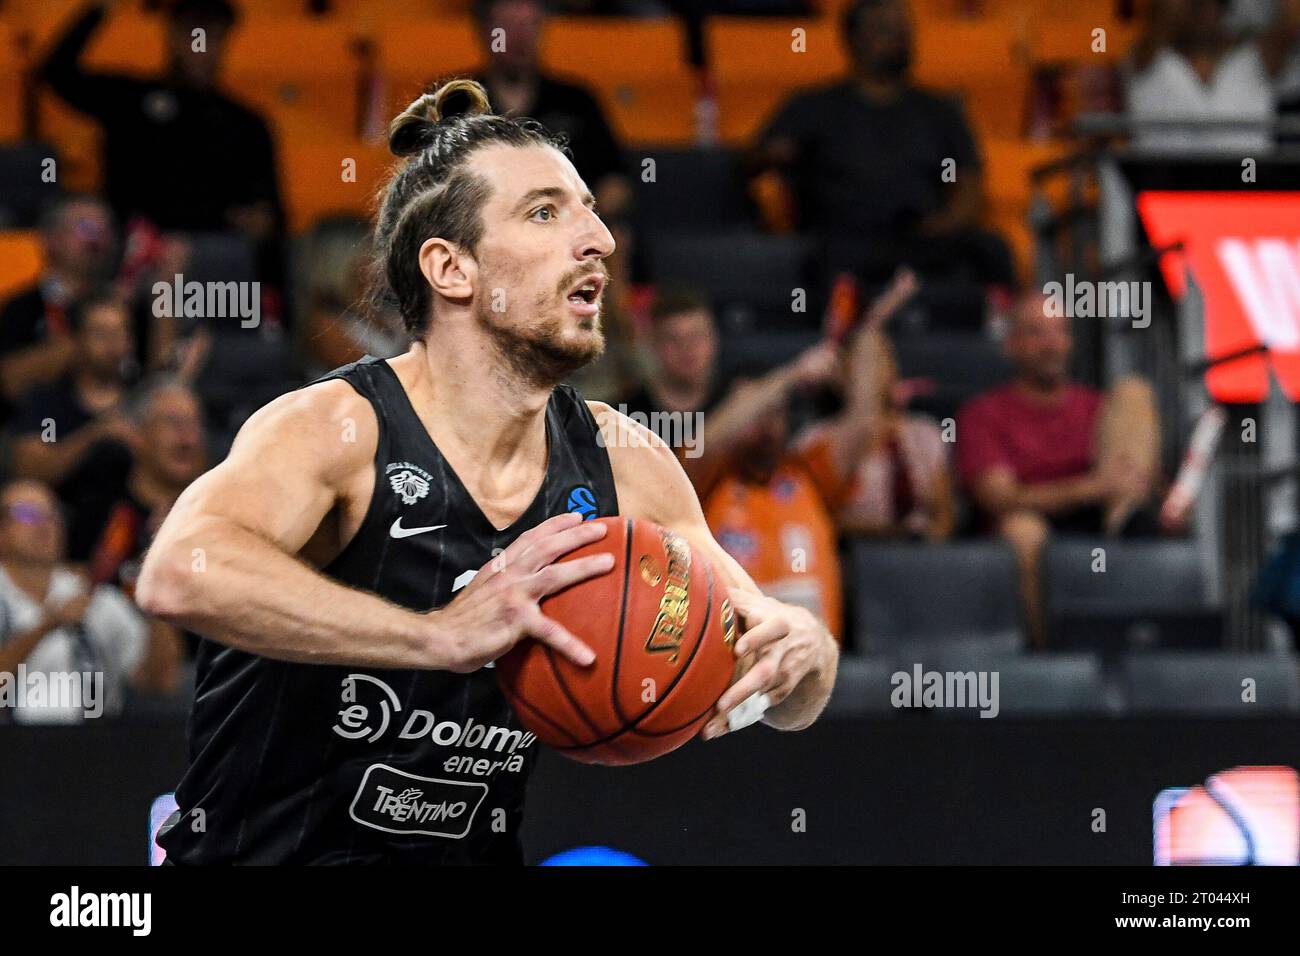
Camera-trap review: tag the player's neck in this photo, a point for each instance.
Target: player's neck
(471, 402)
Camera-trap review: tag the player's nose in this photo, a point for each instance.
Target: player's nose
(594, 241)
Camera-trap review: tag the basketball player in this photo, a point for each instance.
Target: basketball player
(374, 541)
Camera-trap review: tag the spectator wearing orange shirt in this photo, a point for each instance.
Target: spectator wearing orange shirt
(771, 501)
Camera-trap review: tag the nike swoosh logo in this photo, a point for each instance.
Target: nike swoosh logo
(397, 531)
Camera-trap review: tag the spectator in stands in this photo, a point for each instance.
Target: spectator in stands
(683, 344)
(1044, 453)
(36, 346)
(55, 623)
(169, 454)
(73, 435)
(177, 150)
(902, 486)
(769, 501)
(1188, 66)
(865, 158)
(517, 86)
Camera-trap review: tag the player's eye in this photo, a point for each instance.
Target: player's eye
(536, 214)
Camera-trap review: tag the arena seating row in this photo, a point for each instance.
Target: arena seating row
(306, 73)
(311, 74)
(926, 596)
(1170, 682)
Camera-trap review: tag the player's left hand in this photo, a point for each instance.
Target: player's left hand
(785, 642)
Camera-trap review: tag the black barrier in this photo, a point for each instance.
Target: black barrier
(914, 790)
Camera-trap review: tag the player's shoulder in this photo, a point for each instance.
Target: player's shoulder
(647, 472)
(328, 420)
(620, 431)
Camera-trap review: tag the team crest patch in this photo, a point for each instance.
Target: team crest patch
(409, 482)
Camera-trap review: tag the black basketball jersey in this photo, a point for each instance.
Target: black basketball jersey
(308, 763)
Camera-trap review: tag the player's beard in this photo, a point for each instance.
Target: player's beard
(539, 354)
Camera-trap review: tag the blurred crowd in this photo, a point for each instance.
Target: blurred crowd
(115, 394)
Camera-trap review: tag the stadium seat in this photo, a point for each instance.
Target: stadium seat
(745, 273)
(636, 67)
(369, 14)
(20, 260)
(1008, 165)
(959, 366)
(796, 52)
(78, 139)
(1151, 595)
(11, 84)
(984, 61)
(297, 66)
(1140, 575)
(862, 686)
(904, 593)
(757, 62)
(127, 42)
(1182, 682)
(1041, 684)
(413, 54)
(752, 352)
(1062, 37)
(219, 257)
(692, 189)
(22, 190)
(311, 175)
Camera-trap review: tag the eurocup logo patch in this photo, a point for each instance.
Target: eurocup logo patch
(409, 482)
(582, 501)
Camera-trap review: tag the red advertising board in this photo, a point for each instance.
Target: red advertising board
(1243, 249)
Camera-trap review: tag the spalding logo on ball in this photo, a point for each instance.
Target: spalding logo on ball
(664, 634)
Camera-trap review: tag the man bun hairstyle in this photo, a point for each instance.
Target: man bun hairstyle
(433, 192)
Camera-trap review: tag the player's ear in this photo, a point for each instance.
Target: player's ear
(447, 268)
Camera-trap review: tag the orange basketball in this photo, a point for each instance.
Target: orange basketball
(663, 632)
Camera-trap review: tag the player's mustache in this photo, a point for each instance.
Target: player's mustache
(573, 278)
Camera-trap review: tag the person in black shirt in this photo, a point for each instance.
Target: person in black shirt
(72, 434)
(515, 81)
(77, 245)
(177, 151)
(866, 156)
(169, 454)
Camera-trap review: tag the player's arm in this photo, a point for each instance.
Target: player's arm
(795, 656)
(224, 563)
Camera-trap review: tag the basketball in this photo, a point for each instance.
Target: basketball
(663, 632)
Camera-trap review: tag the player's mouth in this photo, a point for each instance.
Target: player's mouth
(584, 297)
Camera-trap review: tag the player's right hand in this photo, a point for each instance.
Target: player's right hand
(499, 607)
